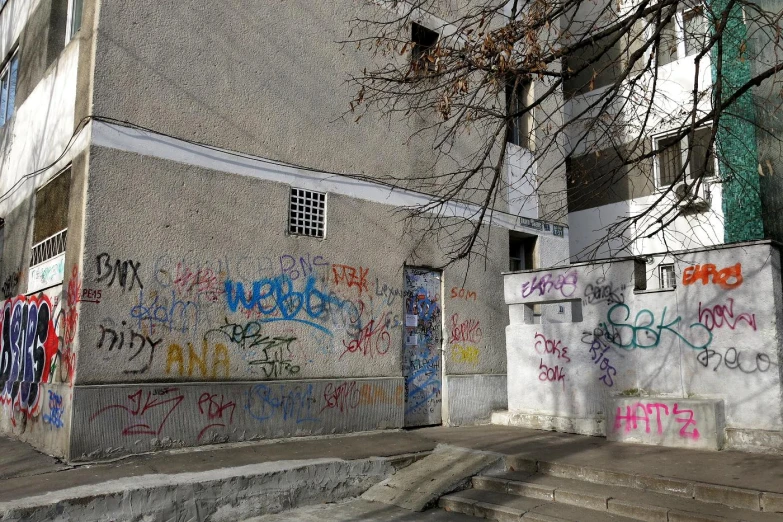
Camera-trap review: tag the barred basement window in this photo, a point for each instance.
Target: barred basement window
(307, 213)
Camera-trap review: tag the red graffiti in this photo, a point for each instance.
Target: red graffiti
(461, 293)
(553, 374)
(721, 315)
(727, 278)
(138, 406)
(373, 339)
(218, 409)
(202, 281)
(467, 331)
(353, 277)
(343, 397)
(546, 346)
(632, 418)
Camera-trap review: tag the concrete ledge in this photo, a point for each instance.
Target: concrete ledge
(756, 441)
(113, 420)
(582, 426)
(683, 423)
(218, 495)
(473, 398)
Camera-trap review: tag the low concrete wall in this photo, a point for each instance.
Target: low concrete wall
(111, 420)
(715, 336)
(473, 398)
(667, 422)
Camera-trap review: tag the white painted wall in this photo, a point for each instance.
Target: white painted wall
(690, 352)
(40, 130)
(589, 228)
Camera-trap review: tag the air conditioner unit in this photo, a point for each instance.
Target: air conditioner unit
(688, 196)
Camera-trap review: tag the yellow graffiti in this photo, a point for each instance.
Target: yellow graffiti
(466, 354)
(220, 359)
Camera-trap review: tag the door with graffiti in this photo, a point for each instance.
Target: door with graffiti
(422, 352)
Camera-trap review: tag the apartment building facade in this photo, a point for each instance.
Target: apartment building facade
(197, 245)
(684, 172)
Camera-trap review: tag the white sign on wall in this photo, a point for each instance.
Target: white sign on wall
(49, 273)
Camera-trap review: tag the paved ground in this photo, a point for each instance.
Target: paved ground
(25, 471)
(358, 510)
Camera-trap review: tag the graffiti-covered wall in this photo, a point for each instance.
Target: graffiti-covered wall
(715, 336)
(201, 320)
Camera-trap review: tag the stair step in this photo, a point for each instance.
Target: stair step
(755, 500)
(506, 507)
(638, 504)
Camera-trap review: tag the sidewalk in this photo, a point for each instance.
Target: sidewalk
(28, 474)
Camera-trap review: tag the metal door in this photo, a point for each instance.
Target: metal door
(423, 344)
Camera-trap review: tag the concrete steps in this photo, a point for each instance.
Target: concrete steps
(551, 492)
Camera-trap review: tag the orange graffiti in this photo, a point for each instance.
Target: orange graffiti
(727, 278)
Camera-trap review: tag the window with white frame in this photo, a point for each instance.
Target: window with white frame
(666, 275)
(74, 22)
(683, 36)
(307, 213)
(672, 162)
(8, 76)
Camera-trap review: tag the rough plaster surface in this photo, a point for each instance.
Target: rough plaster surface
(473, 398)
(420, 485)
(119, 419)
(226, 494)
(715, 341)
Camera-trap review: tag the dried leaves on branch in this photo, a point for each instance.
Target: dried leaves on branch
(574, 94)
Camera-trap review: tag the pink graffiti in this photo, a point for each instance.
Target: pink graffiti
(722, 315)
(218, 410)
(546, 346)
(632, 418)
(199, 282)
(467, 331)
(373, 339)
(139, 404)
(342, 397)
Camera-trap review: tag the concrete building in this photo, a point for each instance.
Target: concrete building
(197, 246)
(732, 193)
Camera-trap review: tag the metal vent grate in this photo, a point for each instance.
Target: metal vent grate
(50, 247)
(307, 213)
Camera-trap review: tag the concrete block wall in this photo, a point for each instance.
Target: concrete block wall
(715, 336)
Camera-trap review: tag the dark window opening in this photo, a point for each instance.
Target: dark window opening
(424, 42)
(521, 251)
(518, 94)
(670, 161)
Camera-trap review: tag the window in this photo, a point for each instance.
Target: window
(74, 18)
(8, 87)
(683, 36)
(424, 41)
(673, 155)
(521, 251)
(666, 275)
(307, 213)
(51, 218)
(518, 96)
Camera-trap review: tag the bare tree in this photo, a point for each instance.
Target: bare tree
(578, 84)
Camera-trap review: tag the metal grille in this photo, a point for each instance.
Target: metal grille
(307, 213)
(668, 280)
(48, 248)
